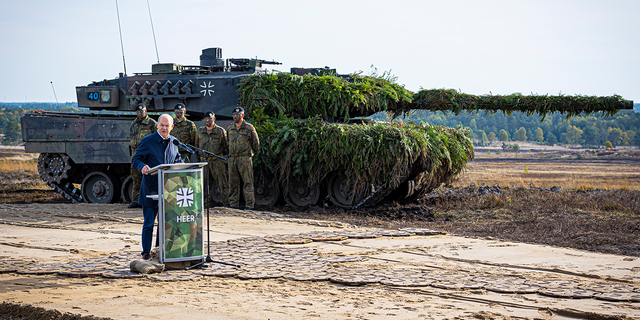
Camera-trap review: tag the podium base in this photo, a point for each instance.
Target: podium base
(181, 265)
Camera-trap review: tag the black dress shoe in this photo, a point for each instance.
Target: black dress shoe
(134, 205)
(146, 256)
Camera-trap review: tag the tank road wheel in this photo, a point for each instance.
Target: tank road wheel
(340, 192)
(299, 194)
(53, 167)
(268, 193)
(127, 190)
(99, 187)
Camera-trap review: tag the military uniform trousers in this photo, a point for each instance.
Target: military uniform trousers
(218, 172)
(136, 179)
(241, 170)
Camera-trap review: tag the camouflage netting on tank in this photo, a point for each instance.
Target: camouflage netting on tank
(334, 97)
(328, 96)
(452, 100)
(386, 155)
(382, 154)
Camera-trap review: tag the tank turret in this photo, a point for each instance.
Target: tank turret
(212, 58)
(209, 86)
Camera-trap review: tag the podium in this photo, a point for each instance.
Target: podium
(180, 211)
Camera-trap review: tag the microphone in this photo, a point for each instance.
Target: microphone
(179, 144)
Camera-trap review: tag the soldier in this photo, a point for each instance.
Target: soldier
(243, 144)
(184, 130)
(213, 138)
(141, 127)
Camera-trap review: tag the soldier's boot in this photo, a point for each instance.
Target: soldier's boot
(134, 204)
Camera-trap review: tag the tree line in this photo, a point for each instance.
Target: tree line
(10, 114)
(622, 129)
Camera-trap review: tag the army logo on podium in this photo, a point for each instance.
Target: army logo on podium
(183, 215)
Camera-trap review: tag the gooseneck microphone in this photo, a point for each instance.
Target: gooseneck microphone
(179, 144)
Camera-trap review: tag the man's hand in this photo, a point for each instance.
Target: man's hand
(145, 169)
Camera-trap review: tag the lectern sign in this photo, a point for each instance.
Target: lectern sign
(183, 213)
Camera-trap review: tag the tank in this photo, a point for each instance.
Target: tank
(83, 156)
(315, 145)
(317, 154)
(86, 156)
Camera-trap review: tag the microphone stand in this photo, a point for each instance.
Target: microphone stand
(208, 155)
(207, 152)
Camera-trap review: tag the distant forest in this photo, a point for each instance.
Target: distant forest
(10, 114)
(623, 129)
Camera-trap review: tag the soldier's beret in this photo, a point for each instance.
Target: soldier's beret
(180, 106)
(141, 107)
(238, 110)
(209, 114)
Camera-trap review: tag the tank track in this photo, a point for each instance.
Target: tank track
(68, 191)
(378, 195)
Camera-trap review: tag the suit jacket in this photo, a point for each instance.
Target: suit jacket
(151, 152)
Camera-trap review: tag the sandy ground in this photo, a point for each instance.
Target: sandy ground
(53, 233)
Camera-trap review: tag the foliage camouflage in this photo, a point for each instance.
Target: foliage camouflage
(183, 239)
(335, 97)
(329, 96)
(383, 154)
(456, 102)
(379, 154)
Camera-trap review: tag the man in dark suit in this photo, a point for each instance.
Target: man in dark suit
(154, 149)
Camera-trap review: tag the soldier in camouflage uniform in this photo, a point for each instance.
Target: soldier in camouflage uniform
(141, 127)
(213, 138)
(184, 129)
(243, 144)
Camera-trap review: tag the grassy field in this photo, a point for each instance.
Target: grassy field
(576, 175)
(19, 179)
(19, 164)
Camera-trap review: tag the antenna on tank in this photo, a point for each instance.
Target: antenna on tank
(121, 45)
(54, 94)
(153, 31)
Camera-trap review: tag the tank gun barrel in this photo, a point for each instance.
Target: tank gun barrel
(270, 62)
(454, 101)
(247, 62)
(334, 97)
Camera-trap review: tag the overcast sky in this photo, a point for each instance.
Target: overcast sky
(478, 47)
